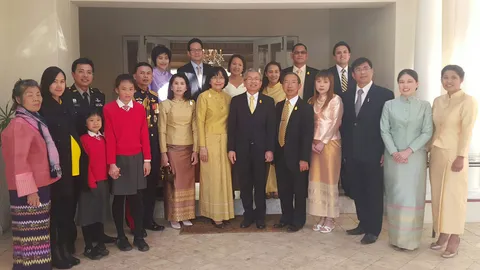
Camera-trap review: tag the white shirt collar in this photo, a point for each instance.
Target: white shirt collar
(293, 100)
(365, 89)
(94, 135)
(339, 69)
(195, 66)
(302, 68)
(255, 95)
(120, 103)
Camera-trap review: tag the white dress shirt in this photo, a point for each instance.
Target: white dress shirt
(121, 104)
(339, 70)
(95, 135)
(365, 91)
(255, 99)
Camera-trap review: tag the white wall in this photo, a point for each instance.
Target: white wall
(370, 33)
(101, 31)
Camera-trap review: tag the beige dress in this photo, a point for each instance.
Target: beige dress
(178, 138)
(276, 92)
(453, 117)
(325, 167)
(216, 195)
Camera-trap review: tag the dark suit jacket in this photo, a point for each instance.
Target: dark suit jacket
(309, 87)
(337, 80)
(299, 135)
(192, 78)
(361, 137)
(81, 107)
(246, 129)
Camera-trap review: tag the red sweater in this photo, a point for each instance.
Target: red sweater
(97, 159)
(126, 132)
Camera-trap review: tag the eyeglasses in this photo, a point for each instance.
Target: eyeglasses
(300, 52)
(359, 70)
(196, 50)
(253, 79)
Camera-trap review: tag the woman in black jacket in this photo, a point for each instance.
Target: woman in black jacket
(58, 113)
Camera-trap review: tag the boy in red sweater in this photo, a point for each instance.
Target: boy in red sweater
(128, 158)
(94, 200)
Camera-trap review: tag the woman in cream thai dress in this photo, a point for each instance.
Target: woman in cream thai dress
(216, 196)
(272, 87)
(454, 116)
(179, 148)
(326, 154)
(406, 127)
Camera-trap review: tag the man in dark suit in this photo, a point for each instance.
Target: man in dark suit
(196, 71)
(251, 142)
(343, 81)
(305, 73)
(363, 148)
(294, 119)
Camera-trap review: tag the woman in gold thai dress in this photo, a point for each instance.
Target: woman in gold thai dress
(454, 116)
(216, 196)
(272, 87)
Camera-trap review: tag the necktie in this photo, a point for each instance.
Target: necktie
(358, 103)
(126, 108)
(283, 123)
(199, 71)
(252, 104)
(85, 98)
(344, 81)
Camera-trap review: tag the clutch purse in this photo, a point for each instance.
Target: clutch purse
(168, 175)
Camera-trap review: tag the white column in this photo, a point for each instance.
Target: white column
(428, 48)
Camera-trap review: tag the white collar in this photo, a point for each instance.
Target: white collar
(302, 68)
(255, 95)
(365, 89)
(120, 103)
(339, 69)
(94, 135)
(293, 100)
(195, 65)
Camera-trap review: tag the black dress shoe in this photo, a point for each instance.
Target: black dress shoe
(293, 228)
(280, 225)
(92, 253)
(58, 261)
(123, 244)
(356, 231)
(245, 223)
(155, 227)
(69, 257)
(260, 224)
(141, 245)
(102, 249)
(368, 239)
(108, 239)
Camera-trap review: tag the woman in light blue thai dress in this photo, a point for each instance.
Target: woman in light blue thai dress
(406, 127)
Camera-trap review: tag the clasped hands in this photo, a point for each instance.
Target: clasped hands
(317, 146)
(114, 171)
(402, 156)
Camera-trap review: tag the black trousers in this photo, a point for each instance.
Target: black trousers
(366, 179)
(93, 233)
(251, 171)
(292, 186)
(150, 193)
(63, 230)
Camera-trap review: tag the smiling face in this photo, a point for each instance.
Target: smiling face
(300, 56)
(83, 75)
(196, 52)
(162, 62)
(57, 88)
(363, 74)
(236, 67)
(253, 82)
(273, 74)
(218, 82)
(94, 123)
(451, 81)
(291, 85)
(407, 85)
(342, 56)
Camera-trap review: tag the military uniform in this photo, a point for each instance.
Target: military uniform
(149, 100)
(82, 105)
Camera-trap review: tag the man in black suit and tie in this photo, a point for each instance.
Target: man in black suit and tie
(196, 71)
(251, 142)
(292, 153)
(343, 81)
(363, 148)
(307, 74)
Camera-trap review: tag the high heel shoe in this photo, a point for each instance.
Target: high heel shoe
(436, 246)
(448, 254)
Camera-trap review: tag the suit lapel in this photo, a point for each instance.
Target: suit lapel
(366, 102)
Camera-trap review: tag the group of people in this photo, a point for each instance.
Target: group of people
(292, 133)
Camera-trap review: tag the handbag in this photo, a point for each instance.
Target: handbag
(168, 175)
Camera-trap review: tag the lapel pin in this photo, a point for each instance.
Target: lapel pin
(368, 100)
(191, 102)
(260, 101)
(308, 72)
(295, 108)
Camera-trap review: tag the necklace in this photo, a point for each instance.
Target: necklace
(318, 104)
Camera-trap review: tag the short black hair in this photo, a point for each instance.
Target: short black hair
(141, 64)
(48, 77)
(82, 61)
(92, 112)
(410, 72)
(244, 62)
(188, 94)
(194, 40)
(214, 72)
(341, 43)
(158, 50)
(299, 44)
(455, 68)
(285, 74)
(19, 89)
(360, 61)
(124, 77)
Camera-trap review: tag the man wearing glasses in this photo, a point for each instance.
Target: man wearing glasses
(251, 142)
(363, 148)
(307, 74)
(196, 71)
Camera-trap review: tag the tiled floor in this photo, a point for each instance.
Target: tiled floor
(302, 250)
